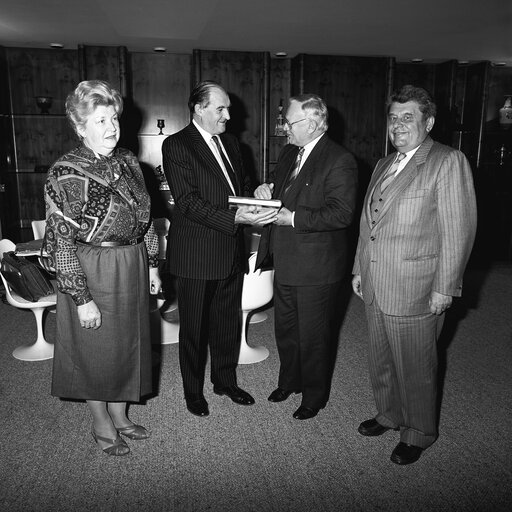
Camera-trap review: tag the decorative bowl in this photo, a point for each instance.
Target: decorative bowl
(44, 103)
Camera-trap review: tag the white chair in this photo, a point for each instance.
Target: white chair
(252, 242)
(40, 349)
(166, 332)
(38, 228)
(257, 291)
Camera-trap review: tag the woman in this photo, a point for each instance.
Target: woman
(101, 240)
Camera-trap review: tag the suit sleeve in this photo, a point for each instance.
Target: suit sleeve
(339, 198)
(457, 219)
(189, 190)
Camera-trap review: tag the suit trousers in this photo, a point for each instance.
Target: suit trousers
(402, 359)
(304, 328)
(209, 313)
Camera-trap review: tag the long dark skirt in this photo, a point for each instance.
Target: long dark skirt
(112, 363)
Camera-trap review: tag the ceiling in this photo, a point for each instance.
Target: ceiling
(433, 30)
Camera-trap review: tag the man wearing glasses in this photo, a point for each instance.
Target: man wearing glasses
(316, 180)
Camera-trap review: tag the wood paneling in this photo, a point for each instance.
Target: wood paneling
(420, 75)
(245, 76)
(160, 90)
(107, 63)
(355, 90)
(40, 140)
(38, 72)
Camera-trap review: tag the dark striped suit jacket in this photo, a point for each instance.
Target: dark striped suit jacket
(204, 242)
(423, 237)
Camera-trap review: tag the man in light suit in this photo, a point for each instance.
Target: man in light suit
(205, 248)
(416, 233)
(316, 180)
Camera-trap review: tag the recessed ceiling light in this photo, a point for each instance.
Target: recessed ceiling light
(499, 64)
(416, 61)
(463, 61)
(281, 54)
(56, 45)
(160, 49)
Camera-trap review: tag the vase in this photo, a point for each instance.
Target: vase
(506, 113)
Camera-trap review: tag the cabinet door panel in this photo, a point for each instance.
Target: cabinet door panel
(355, 90)
(38, 72)
(160, 90)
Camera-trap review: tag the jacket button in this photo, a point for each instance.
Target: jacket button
(372, 238)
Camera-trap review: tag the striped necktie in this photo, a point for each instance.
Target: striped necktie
(391, 172)
(226, 163)
(295, 170)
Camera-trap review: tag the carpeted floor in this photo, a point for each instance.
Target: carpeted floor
(259, 458)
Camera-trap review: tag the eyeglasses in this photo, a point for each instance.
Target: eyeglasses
(286, 122)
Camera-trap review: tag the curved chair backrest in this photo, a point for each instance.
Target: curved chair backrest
(38, 228)
(5, 246)
(258, 287)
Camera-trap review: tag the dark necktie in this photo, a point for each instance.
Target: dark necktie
(391, 172)
(226, 163)
(295, 170)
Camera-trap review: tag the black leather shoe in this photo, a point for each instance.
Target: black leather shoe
(279, 395)
(198, 406)
(406, 454)
(239, 396)
(373, 428)
(304, 413)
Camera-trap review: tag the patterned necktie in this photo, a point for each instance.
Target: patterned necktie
(391, 172)
(226, 163)
(295, 170)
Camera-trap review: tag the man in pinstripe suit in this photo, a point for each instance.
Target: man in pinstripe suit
(205, 248)
(416, 233)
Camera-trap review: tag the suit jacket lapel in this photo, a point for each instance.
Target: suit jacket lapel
(282, 178)
(401, 182)
(206, 154)
(307, 168)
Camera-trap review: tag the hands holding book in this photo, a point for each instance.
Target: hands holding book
(284, 216)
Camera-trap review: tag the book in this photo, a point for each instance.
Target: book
(253, 201)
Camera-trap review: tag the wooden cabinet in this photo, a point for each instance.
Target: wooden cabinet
(33, 140)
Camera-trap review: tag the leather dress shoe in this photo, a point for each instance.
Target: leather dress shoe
(279, 395)
(373, 428)
(239, 396)
(304, 413)
(406, 454)
(198, 406)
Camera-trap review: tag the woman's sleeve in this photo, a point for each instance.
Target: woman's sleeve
(62, 224)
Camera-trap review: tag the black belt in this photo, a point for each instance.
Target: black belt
(115, 243)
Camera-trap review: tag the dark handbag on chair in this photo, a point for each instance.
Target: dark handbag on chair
(25, 277)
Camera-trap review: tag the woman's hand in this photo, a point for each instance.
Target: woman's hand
(89, 315)
(155, 283)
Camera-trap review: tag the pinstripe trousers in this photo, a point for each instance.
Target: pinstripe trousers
(209, 317)
(402, 358)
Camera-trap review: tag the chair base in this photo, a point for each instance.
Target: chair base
(250, 355)
(169, 332)
(165, 332)
(256, 318)
(39, 351)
